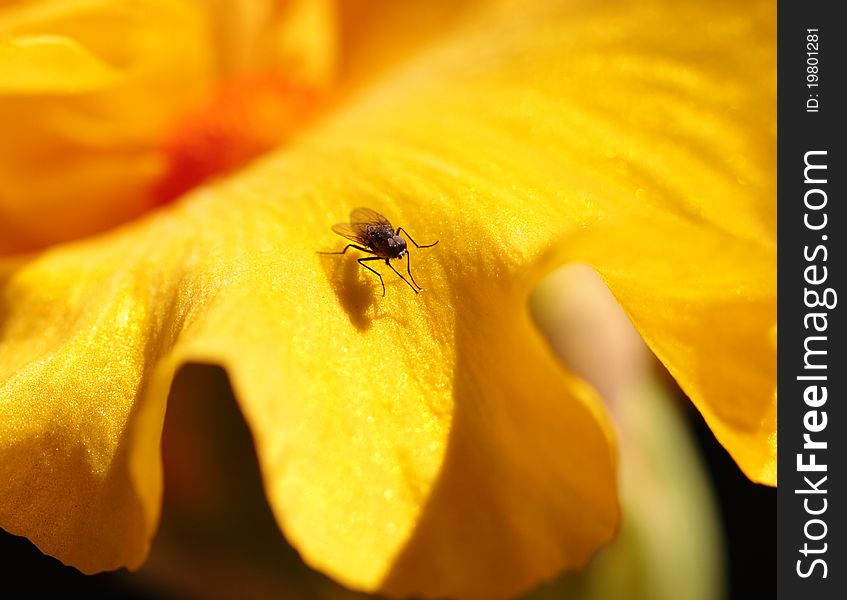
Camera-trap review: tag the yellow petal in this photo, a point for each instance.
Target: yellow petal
(426, 443)
(641, 126)
(370, 421)
(705, 303)
(88, 89)
(38, 64)
(297, 38)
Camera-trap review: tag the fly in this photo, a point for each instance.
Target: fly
(374, 234)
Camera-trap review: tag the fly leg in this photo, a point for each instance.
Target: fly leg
(400, 276)
(399, 229)
(349, 246)
(362, 262)
(409, 269)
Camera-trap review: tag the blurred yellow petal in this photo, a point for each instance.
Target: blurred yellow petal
(295, 37)
(80, 143)
(425, 444)
(92, 90)
(38, 64)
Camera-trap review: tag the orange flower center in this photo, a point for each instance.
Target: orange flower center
(242, 119)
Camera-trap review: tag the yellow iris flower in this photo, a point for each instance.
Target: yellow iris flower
(430, 443)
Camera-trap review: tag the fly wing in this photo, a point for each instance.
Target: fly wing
(368, 216)
(355, 232)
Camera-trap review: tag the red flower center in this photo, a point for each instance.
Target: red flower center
(242, 119)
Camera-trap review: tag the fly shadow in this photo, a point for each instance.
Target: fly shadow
(355, 292)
